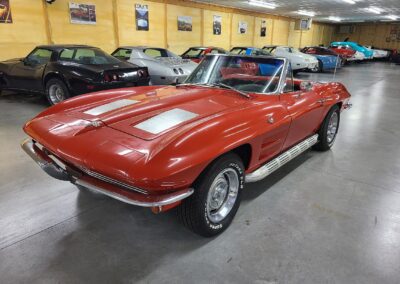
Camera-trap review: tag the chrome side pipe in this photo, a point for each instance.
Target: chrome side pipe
(281, 160)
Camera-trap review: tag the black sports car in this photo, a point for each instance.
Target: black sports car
(62, 71)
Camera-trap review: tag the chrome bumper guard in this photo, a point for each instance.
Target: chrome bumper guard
(54, 170)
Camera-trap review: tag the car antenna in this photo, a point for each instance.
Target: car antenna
(336, 65)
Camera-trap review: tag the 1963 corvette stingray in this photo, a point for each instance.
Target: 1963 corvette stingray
(193, 146)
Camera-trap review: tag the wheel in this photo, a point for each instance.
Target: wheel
(328, 130)
(213, 205)
(295, 72)
(56, 91)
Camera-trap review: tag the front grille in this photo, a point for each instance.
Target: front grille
(112, 181)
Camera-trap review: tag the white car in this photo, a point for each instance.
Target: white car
(164, 66)
(378, 53)
(299, 61)
(358, 56)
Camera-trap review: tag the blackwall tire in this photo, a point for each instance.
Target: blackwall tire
(213, 205)
(56, 91)
(328, 130)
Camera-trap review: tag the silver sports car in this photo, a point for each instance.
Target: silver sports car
(164, 66)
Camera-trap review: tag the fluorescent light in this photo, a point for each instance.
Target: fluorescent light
(374, 10)
(349, 1)
(392, 17)
(306, 13)
(335, 19)
(262, 4)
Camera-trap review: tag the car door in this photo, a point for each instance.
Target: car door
(305, 108)
(27, 74)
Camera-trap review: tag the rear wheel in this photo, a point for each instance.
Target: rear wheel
(213, 205)
(328, 130)
(56, 91)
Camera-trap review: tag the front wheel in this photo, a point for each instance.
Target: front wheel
(213, 205)
(56, 91)
(328, 130)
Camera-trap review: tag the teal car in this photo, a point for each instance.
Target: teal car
(369, 54)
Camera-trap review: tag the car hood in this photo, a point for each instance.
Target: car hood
(158, 112)
(12, 61)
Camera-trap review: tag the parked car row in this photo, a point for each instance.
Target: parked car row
(63, 71)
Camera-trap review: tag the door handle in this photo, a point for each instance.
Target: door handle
(271, 119)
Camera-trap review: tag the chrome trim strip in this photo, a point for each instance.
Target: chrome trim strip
(112, 181)
(110, 106)
(281, 160)
(169, 199)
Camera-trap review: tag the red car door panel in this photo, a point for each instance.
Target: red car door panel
(306, 110)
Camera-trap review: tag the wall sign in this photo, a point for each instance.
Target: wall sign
(185, 23)
(82, 13)
(263, 29)
(242, 29)
(217, 25)
(5, 12)
(142, 17)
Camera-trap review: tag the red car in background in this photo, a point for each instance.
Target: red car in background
(344, 52)
(197, 53)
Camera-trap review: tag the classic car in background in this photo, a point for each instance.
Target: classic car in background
(196, 54)
(355, 46)
(236, 119)
(378, 53)
(346, 53)
(327, 59)
(62, 71)
(243, 50)
(299, 60)
(164, 66)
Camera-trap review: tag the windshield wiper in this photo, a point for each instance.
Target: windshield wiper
(222, 85)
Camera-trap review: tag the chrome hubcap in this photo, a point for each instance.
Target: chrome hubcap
(56, 94)
(332, 127)
(222, 195)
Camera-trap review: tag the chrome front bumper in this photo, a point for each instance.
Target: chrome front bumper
(63, 172)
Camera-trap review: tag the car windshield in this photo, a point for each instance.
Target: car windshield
(238, 50)
(242, 73)
(87, 56)
(269, 49)
(122, 53)
(193, 53)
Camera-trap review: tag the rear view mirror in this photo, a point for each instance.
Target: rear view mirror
(306, 86)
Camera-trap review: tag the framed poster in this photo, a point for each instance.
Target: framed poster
(217, 24)
(5, 12)
(185, 23)
(263, 29)
(142, 17)
(82, 13)
(242, 29)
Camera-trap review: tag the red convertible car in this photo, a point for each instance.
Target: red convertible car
(193, 146)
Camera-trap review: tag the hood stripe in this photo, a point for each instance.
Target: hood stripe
(110, 106)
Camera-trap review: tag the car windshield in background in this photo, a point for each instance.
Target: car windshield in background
(87, 56)
(269, 49)
(238, 50)
(122, 53)
(245, 74)
(193, 53)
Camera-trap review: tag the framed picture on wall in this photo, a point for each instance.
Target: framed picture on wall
(82, 13)
(263, 29)
(142, 17)
(185, 23)
(5, 12)
(217, 25)
(242, 29)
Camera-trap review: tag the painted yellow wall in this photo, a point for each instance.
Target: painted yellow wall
(35, 23)
(18, 38)
(374, 34)
(318, 34)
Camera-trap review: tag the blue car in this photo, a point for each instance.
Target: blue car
(327, 59)
(369, 54)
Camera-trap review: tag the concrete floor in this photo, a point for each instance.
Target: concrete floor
(330, 217)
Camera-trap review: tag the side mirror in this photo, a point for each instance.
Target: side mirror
(306, 86)
(176, 82)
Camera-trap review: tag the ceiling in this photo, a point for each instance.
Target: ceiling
(323, 9)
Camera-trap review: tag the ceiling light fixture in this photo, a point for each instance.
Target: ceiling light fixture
(335, 19)
(262, 4)
(349, 1)
(392, 17)
(374, 10)
(306, 13)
